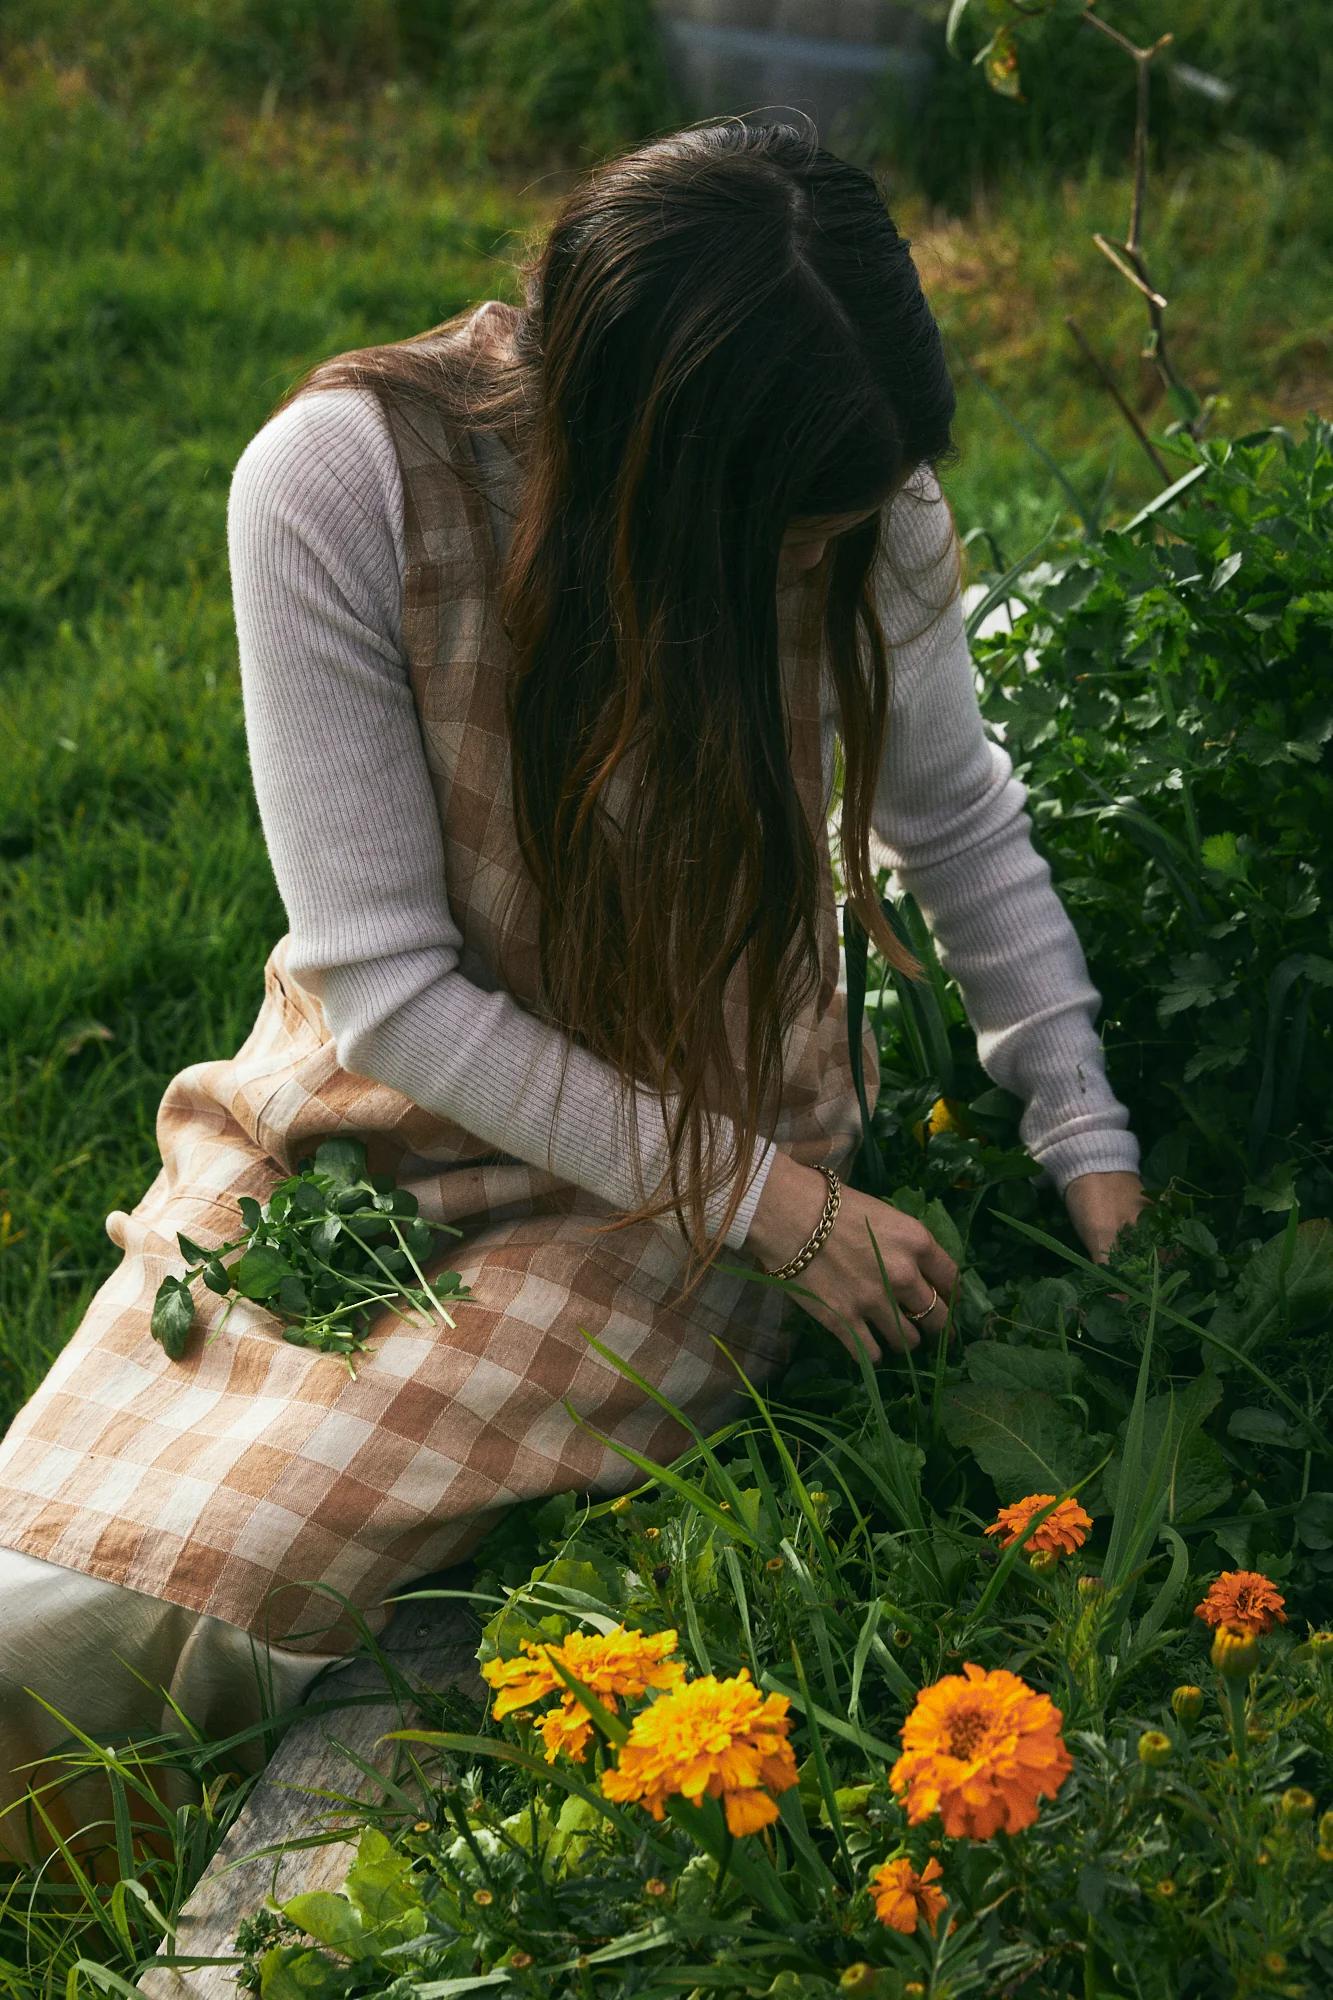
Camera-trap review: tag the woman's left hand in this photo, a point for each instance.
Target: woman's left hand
(1101, 1204)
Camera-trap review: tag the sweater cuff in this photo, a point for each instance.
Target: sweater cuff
(735, 1237)
(1102, 1149)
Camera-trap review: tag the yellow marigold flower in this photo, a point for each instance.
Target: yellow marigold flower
(612, 1664)
(1064, 1529)
(902, 1896)
(980, 1748)
(1243, 1597)
(1154, 1747)
(946, 1115)
(719, 1738)
(1297, 1803)
(1235, 1651)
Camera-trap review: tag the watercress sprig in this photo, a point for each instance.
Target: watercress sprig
(330, 1243)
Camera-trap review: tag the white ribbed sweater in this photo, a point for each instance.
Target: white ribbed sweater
(315, 537)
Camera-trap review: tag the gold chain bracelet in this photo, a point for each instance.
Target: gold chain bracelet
(831, 1205)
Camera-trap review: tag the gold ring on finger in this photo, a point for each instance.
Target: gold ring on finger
(934, 1301)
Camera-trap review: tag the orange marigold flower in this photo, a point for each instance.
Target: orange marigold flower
(980, 1748)
(719, 1738)
(902, 1896)
(1243, 1597)
(612, 1664)
(1064, 1529)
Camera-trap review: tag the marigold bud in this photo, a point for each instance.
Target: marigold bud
(654, 1886)
(1323, 1853)
(1326, 1829)
(1154, 1747)
(901, 1637)
(1187, 1703)
(1043, 1559)
(482, 1897)
(776, 1562)
(652, 1533)
(520, 1960)
(862, 1980)
(621, 1505)
(1235, 1650)
(1274, 1962)
(1321, 1645)
(818, 1498)
(1297, 1803)
(914, 1990)
(1166, 1887)
(1090, 1586)
(421, 1826)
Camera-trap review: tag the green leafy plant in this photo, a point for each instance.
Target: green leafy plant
(330, 1243)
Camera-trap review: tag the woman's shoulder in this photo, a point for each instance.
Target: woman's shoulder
(324, 465)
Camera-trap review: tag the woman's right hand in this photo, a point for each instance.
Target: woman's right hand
(844, 1272)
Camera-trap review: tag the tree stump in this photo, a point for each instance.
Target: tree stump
(308, 1790)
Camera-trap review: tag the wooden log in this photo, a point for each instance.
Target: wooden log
(433, 1646)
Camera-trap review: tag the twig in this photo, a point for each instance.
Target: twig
(1128, 257)
(1113, 391)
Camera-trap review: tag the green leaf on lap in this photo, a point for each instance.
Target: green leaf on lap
(343, 1160)
(173, 1316)
(260, 1272)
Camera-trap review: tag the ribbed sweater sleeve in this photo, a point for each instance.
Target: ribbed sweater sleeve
(315, 538)
(952, 817)
(315, 542)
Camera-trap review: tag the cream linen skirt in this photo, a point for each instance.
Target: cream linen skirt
(83, 1644)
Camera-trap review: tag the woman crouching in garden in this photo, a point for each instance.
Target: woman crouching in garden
(550, 622)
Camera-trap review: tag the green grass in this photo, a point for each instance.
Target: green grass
(172, 265)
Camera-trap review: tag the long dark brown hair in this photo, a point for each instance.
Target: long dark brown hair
(722, 334)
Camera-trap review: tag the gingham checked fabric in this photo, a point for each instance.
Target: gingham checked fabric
(254, 1479)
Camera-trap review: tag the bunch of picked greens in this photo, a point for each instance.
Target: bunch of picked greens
(330, 1243)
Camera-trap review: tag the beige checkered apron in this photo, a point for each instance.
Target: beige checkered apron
(241, 1479)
